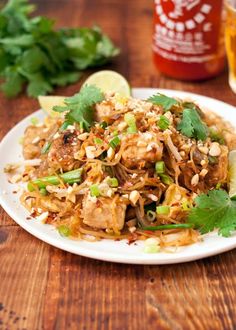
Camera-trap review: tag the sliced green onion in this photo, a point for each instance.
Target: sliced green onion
(160, 167)
(64, 126)
(46, 148)
(131, 122)
(166, 179)
(97, 141)
(163, 122)
(132, 129)
(21, 140)
(171, 226)
(115, 132)
(163, 209)
(64, 230)
(34, 121)
(151, 215)
(113, 182)
(94, 190)
(68, 177)
(218, 186)
(114, 142)
(185, 206)
(152, 245)
(151, 248)
(43, 192)
(216, 136)
(104, 124)
(129, 119)
(212, 160)
(81, 125)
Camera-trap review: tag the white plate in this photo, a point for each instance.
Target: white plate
(10, 151)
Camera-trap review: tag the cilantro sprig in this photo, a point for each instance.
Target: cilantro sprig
(214, 210)
(36, 55)
(79, 108)
(165, 101)
(192, 126)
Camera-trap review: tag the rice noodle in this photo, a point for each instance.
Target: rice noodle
(124, 157)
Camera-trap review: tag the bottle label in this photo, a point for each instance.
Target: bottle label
(187, 30)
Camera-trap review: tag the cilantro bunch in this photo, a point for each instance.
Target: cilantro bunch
(34, 54)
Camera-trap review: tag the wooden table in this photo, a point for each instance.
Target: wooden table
(42, 287)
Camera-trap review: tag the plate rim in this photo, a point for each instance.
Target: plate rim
(62, 244)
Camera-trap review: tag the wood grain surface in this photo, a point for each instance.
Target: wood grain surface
(42, 287)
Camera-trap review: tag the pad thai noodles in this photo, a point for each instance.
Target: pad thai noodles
(124, 168)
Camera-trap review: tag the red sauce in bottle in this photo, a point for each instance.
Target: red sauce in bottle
(188, 40)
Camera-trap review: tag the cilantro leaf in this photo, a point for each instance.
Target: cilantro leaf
(192, 126)
(13, 84)
(38, 86)
(214, 210)
(165, 101)
(80, 106)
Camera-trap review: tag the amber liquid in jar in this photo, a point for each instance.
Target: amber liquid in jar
(188, 39)
(230, 41)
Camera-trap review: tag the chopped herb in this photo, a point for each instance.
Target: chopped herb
(67, 177)
(64, 230)
(114, 142)
(132, 130)
(131, 122)
(216, 136)
(79, 107)
(151, 215)
(155, 248)
(34, 121)
(46, 148)
(166, 179)
(214, 210)
(104, 124)
(170, 226)
(212, 160)
(21, 140)
(163, 209)
(160, 167)
(192, 126)
(185, 206)
(34, 53)
(64, 126)
(43, 192)
(165, 101)
(163, 122)
(98, 141)
(113, 182)
(94, 190)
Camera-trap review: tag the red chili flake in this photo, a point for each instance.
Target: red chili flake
(28, 218)
(132, 238)
(33, 214)
(51, 217)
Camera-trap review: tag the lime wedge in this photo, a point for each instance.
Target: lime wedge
(232, 174)
(48, 102)
(109, 81)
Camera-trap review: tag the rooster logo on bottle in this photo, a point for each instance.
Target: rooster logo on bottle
(179, 5)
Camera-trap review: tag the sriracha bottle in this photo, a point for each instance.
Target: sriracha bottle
(188, 39)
